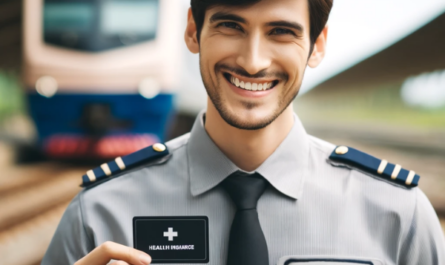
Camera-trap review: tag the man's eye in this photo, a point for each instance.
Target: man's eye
(281, 31)
(231, 25)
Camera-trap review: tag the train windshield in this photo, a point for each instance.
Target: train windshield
(99, 25)
(68, 16)
(132, 17)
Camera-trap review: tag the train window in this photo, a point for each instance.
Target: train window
(67, 16)
(97, 25)
(120, 17)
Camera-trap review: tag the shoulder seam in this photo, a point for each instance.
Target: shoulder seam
(83, 216)
(180, 146)
(320, 149)
(177, 139)
(406, 234)
(314, 140)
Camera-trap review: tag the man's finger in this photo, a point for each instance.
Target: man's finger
(110, 250)
(119, 262)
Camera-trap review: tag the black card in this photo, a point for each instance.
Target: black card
(173, 239)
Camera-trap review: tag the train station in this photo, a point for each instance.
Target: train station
(94, 93)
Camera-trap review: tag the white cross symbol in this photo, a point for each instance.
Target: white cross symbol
(170, 234)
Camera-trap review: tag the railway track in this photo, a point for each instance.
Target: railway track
(33, 197)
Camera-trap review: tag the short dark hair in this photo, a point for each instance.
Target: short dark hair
(318, 13)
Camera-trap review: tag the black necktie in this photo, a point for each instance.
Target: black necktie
(247, 245)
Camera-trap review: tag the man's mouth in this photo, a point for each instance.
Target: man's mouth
(250, 86)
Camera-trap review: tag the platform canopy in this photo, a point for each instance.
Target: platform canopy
(419, 52)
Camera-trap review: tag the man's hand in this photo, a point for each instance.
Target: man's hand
(110, 250)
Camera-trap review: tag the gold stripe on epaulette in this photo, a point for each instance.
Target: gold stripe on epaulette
(120, 163)
(396, 171)
(410, 177)
(106, 169)
(382, 166)
(91, 175)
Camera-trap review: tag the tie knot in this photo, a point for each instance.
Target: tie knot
(245, 189)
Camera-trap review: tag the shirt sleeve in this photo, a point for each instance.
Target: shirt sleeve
(424, 243)
(70, 241)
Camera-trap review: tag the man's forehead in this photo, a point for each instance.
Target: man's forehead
(296, 10)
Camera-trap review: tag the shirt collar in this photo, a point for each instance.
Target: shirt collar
(286, 169)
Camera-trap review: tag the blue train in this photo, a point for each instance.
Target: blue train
(99, 74)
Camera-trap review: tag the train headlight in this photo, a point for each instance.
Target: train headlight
(149, 87)
(46, 86)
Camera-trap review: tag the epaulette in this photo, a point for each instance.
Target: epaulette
(378, 167)
(120, 164)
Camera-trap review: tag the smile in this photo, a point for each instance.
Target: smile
(250, 86)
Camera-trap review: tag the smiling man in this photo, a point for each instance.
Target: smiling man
(248, 185)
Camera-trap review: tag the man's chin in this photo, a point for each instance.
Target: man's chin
(246, 123)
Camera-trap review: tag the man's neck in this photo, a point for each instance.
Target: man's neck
(247, 149)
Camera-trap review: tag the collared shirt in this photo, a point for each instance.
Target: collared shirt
(313, 211)
(286, 169)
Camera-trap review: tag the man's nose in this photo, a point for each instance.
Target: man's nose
(253, 56)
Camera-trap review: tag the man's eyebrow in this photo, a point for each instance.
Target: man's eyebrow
(226, 16)
(288, 24)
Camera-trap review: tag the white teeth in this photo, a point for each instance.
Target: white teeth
(250, 86)
(254, 86)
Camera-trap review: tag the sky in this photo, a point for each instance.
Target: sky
(360, 28)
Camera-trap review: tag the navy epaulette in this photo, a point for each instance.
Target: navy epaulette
(119, 164)
(375, 166)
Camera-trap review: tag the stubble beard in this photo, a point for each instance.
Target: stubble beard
(230, 117)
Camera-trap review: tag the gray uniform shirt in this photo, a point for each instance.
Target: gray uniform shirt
(313, 210)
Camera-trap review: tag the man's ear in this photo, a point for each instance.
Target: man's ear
(319, 49)
(190, 34)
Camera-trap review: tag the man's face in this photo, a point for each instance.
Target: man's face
(253, 58)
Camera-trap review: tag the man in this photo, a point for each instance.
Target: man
(248, 185)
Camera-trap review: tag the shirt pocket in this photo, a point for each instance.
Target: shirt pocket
(328, 260)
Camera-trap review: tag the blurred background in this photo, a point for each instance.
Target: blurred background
(85, 81)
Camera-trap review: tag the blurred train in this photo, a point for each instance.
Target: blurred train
(100, 75)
